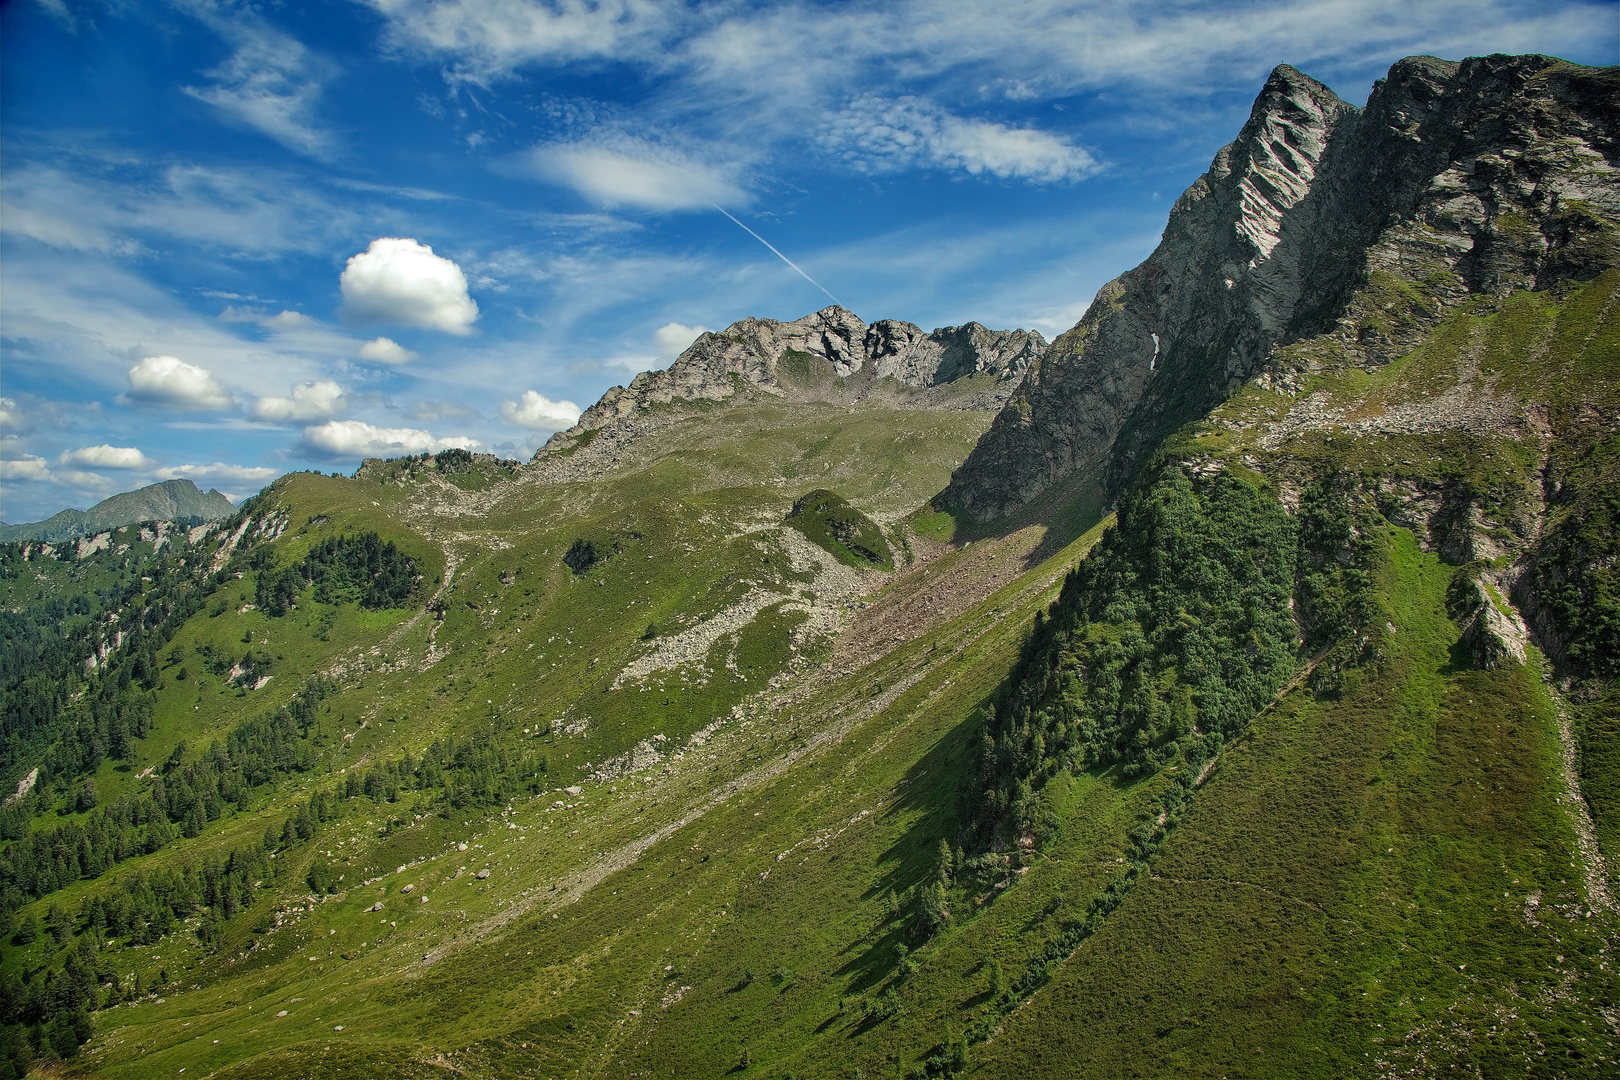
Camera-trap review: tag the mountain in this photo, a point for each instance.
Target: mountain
(1226, 689)
(830, 355)
(1322, 231)
(171, 500)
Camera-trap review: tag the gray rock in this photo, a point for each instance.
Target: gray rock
(1457, 179)
(809, 358)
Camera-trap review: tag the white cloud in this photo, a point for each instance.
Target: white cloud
(532, 410)
(31, 468)
(270, 83)
(316, 400)
(617, 170)
(491, 37)
(288, 320)
(166, 380)
(112, 205)
(217, 472)
(105, 457)
(877, 133)
(11, 416)
(399, 280)
(673, 338)
(27, 467)
(356, 438)
(385, 351)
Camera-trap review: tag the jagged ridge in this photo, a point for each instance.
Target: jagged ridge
(796, 360)
(1481, 176)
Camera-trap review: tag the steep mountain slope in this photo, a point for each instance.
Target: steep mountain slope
(1354, 230)
(639, 760)
(169, 501)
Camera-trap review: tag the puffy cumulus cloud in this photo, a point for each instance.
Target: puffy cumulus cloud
(27, 467)
(385, 351)
(879, 134)
(356, 438)
(533, 410)
(398, 280)
(31, 468)
(317, 400)
(105, 457)
(288, 320)
(11, 417)
(623, 171)
(166, 380)
(673, 338)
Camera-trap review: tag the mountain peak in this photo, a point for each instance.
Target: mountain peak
(824, 353)
(1465, 178)
(170, 500)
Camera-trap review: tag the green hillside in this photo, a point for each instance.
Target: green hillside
(713, 742)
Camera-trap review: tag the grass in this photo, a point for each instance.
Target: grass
(1348, 894)
(1331, 904)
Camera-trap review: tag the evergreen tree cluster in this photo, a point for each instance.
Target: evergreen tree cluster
(184, 797)
(65, 708)
(1171, 634)
(48, 1010)
(362, 568)
(455, 774)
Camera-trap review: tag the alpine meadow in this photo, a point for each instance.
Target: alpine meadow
(1226, 687)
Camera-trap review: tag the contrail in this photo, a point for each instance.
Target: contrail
(779, 255)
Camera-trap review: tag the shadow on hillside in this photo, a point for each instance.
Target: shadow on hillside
(1068, 509)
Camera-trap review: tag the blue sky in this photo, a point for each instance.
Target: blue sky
(243, 238)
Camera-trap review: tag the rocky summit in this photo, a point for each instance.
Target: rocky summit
(1230, 688)
(1462, 179)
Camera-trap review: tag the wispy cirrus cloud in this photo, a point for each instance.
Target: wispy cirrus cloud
(489, 39)
(617, 170)
(878, 133)
(270, 82)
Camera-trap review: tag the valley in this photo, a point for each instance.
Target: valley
(1224, 689)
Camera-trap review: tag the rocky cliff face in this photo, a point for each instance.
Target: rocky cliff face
(805, 358)
(1305, 238)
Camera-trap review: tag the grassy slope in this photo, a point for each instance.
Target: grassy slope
(1272, 909)
(1349, 892)
(606, 955)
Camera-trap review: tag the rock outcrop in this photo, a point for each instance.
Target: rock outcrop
(1321, 226)
(825, 353)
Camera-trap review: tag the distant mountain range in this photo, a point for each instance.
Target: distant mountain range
(172, 500)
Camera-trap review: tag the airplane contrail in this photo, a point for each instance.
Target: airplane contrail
(779, 255)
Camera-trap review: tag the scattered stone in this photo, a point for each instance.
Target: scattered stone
(482, 874)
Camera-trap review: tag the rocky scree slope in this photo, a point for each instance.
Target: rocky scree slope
(1464, 178)
(828, 355)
